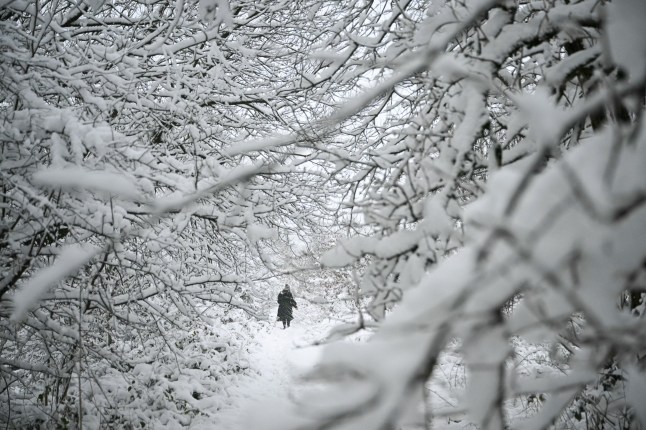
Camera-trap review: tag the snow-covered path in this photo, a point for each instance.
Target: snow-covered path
(282, 356)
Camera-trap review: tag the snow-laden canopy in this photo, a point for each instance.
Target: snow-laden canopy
(165, 165)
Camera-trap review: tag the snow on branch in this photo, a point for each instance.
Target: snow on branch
(68, 261)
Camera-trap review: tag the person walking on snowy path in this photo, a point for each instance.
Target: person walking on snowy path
(285, 304)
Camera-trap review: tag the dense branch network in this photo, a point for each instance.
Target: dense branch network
(484, 159)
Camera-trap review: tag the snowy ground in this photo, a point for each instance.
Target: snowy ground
(261, 399)
(282, 356)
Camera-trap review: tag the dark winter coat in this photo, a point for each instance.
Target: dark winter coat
(285, 304)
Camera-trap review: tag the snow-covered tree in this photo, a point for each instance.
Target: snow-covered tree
(496, 152)
(135, 194)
